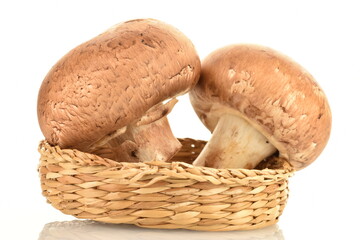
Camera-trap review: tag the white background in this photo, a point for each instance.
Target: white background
(320, 35)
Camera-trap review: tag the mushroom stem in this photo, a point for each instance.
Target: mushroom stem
(154, 141)
(234, 144)
(148, 139)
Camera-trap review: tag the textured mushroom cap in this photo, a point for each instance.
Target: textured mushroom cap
(111, 80)
(275, 94)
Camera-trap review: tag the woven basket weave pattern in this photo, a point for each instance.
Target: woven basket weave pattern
(162, 195)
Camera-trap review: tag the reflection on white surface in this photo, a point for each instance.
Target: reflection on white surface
(90, 230)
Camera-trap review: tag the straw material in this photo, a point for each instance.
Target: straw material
(162, 195)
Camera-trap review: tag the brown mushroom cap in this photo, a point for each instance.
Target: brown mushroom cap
(274, 94)
(113, 79)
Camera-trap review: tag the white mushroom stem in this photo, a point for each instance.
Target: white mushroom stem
(154, 141)
(234, 144)
(148, 139)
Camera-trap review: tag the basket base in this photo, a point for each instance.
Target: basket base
(77, 229)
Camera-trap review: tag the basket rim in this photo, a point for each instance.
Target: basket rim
(173, 169)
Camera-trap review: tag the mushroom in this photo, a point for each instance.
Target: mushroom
(110, 95)
(259, 103)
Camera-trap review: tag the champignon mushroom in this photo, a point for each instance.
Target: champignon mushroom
(258, 102)
(108, 95)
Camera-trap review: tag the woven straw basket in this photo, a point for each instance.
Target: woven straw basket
(162, 195)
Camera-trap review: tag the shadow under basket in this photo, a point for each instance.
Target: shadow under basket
(163, 195)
